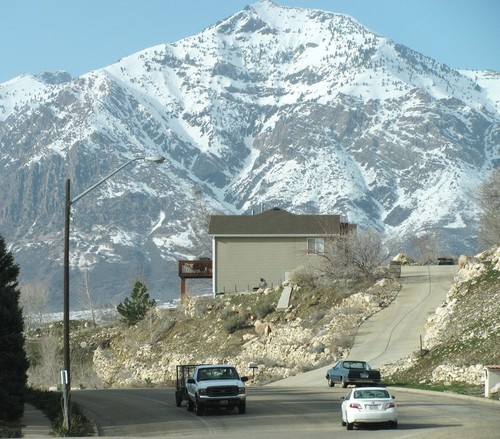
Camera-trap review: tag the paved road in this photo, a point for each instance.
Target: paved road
(304, 406)
(395, 331)
(284, 413)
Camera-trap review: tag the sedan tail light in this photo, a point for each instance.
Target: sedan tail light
(390, 405)
(355, 405)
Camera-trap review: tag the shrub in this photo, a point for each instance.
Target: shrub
(305, 277)
(227, 313)
(50, 404)
(202, 305)
(264, 309)
(235, 323)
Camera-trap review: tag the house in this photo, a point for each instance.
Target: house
(252, 251)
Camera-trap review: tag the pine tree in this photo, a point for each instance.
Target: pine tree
(13, 361)
(134, 309)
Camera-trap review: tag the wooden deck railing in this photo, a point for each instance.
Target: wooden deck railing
(195, 269)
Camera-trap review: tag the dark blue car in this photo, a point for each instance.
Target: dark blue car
(354, 372)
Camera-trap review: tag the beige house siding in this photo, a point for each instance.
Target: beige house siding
(246, 248)
(252, 258)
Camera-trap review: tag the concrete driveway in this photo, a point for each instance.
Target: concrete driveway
(395, 331)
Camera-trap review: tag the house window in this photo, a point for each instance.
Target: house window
(315, 246)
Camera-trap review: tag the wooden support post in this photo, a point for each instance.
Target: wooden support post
(183, 290)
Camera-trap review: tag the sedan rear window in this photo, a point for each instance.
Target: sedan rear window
(367, 394)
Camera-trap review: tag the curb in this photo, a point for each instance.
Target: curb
(453, 395)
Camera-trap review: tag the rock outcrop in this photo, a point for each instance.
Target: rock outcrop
(467, 318)
(282, 346)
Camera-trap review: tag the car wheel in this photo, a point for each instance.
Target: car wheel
(242, 408)
(190, 405)
(344, 383)
(330, 382)
(350, 425)
(393, 425)
(342, 422)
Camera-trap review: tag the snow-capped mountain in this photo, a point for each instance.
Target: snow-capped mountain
(297, 108)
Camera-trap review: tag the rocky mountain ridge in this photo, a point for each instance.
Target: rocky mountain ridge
(302, 109)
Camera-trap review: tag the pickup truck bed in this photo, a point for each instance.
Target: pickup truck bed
(183, 372)
(347, 372)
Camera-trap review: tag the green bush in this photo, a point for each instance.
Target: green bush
(51, 404)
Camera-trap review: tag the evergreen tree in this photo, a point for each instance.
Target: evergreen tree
(134, 309)
(13, 361)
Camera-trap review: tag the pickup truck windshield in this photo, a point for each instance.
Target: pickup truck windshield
(217, 373)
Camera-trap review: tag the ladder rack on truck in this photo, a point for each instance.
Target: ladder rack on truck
(183, 372)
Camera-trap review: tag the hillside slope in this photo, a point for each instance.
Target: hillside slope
(319, 327)
(463, 335)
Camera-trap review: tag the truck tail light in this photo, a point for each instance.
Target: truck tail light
(241, 390)
(203, 392)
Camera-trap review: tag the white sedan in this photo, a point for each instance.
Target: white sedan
(369, 405)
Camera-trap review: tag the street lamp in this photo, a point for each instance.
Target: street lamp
(67, 213)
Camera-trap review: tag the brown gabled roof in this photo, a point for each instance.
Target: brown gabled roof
(274, 222)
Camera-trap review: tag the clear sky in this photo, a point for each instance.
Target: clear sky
(82, 35)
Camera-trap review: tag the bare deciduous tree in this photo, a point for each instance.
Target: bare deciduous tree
(86, 298)
(34, 298)
(426, 247)
(44, 372)
(489, 202)
(355, 255)
(201, 222)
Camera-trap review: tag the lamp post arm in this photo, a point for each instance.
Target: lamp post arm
(91, 188)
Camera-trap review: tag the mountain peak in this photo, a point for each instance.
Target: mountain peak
(274, 106)
(53, 78)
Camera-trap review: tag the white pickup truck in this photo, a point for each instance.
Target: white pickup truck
(215, 386)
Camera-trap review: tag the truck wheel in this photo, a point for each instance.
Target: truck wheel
(330, 382)
(344, 383)
(199, 408)
(190, 405)
(242, 408)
